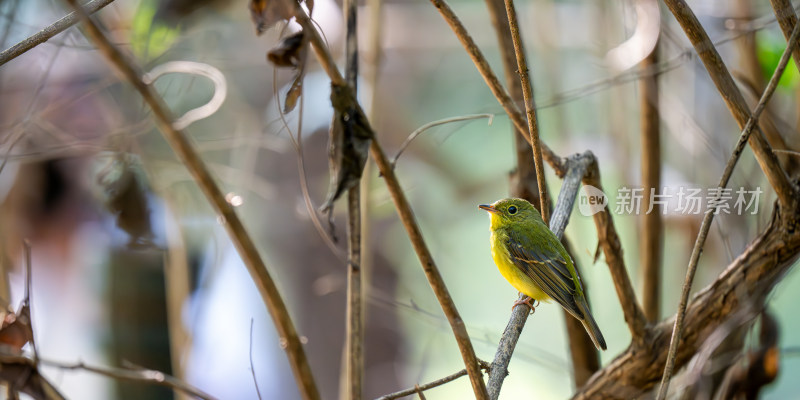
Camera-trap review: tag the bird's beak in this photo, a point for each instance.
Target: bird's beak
(489, 208)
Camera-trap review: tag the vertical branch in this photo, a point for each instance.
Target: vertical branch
(652, 224)
(233, 225)
(585, 360)
(677, 330)
(527, 93)
(407, 218)
(355, 329)
(787, 194)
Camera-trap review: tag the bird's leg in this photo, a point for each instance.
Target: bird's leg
(528, 301)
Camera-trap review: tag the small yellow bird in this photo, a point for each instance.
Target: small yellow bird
(535, 262)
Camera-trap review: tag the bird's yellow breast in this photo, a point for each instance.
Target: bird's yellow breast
(511, 272)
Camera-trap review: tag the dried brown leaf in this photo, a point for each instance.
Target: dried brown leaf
(348, 148)
(290, 52)
(294, 93)
(16, 330)
(266, 13)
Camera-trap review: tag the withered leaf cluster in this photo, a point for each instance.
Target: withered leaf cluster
(349, 143)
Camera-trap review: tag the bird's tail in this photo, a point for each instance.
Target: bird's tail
(591, 326)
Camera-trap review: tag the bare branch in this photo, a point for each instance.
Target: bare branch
(147, 376)
(787, 194)
(418, 389)
(54, 29)
(407, 218)
(234, 226)
(723, 182)
(530, 110)
(494, 84)
(354, 342)
(652, 224)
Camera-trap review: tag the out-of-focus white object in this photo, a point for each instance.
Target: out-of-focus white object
(643, 40)
(194, 68)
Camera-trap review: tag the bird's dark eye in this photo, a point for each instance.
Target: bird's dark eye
(512, 210)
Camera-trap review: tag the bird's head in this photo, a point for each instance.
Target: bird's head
(511, 210)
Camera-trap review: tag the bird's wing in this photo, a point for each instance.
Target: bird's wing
(546, 266)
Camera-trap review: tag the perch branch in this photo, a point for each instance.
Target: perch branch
(733, 98)
(494, 84)
(48, 32)
(407, 218)
(577, 166)
(530, 110)
(707, 219)
(234, 226)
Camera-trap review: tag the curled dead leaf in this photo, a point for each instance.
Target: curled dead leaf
(266, 13)
(290, 52)
(348, 147)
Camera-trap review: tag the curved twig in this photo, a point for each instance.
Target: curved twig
(432, 124)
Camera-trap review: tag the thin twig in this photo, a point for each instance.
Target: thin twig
(494, 84)
(354, 309)
(230, 220)
(787, 194)
(530, 109)
(148, 376)
(54, 29)
(26, 301)
(407, 218)
(418, 389)
(252, 366)
(577, 167)
(432, 124)
(708, 218)
(652, 224)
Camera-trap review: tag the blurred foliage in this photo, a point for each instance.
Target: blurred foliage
(769, 47)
